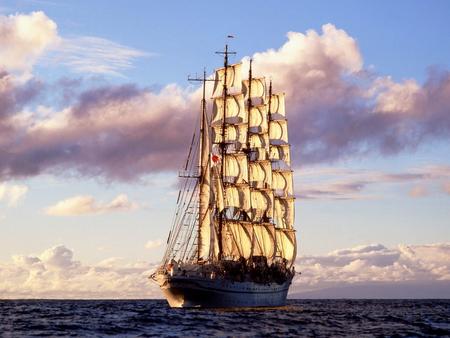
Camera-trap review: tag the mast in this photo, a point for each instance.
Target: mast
(202, 170)
(223, 143)
(204, 180)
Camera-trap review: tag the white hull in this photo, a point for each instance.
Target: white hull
(185, 291)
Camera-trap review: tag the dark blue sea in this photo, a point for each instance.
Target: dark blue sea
(153, 318)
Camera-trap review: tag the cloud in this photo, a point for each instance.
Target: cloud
(12, 194)
(24, 38)
(84, 205)
(418, 191)
(90, 54)
(319, 183)
(56, 274)
(337, 110)
(27, 39)
(446, 187)
(366, 264)
(153, 244)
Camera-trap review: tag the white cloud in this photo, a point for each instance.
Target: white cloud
(30, 38)
(89, 54)
(325, 183)
(153, 244)
(12, 194)
(24, 38)
(83, 205)
(55, 274)
(374, 263)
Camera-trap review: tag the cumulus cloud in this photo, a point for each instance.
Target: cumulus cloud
(337, 109)
(153, 244)
(24, 38)
(84, 205)
(12, 194)
(374, 264)
(56, 274)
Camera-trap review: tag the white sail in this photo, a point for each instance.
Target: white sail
(277, 109)
(284, 212)
(280, 153)
(286, 244)
(238, 197)
(234, 80)
(262, 204)
(260, 174)
(258, 89)
(204, 241)
(258, 119)
(264, 241)
(236, 168)
(258, 154)
(242, 237)
(218, 191)
(233, 134)
(282, 183)
(258, 141)
(278, 133)
(235, 110)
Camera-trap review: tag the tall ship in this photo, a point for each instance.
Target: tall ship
(232, 241)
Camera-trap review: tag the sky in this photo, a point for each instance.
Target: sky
(96, 113)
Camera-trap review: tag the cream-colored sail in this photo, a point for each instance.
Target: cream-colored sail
(258, 88)
(258, 119)
(278, 133)
(238, 197)
(205, 194)
(218, 190)
(234, 80)
(277, 109)
(262, 204)
(284, 212)
(286, 244)
(264, 240)
(236, 168)
(235, 110)
(233, 134)
(258, 140)
(242, 237)
(260, 174)
(280, 153)
(258, 154)
(282, 183)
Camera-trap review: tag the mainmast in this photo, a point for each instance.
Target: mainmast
(223, 142)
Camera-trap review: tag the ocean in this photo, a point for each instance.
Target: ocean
(153, 318)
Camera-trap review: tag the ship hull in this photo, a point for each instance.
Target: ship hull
(188, 292)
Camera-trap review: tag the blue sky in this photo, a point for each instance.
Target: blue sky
(162, 42)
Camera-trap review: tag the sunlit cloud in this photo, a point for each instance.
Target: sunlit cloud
(325, 183)
(56, 274)
(367, 264)
(12, 194)
(94, 55)
(153, 244)
(337, 110)
(84, 205)
(24, 38)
